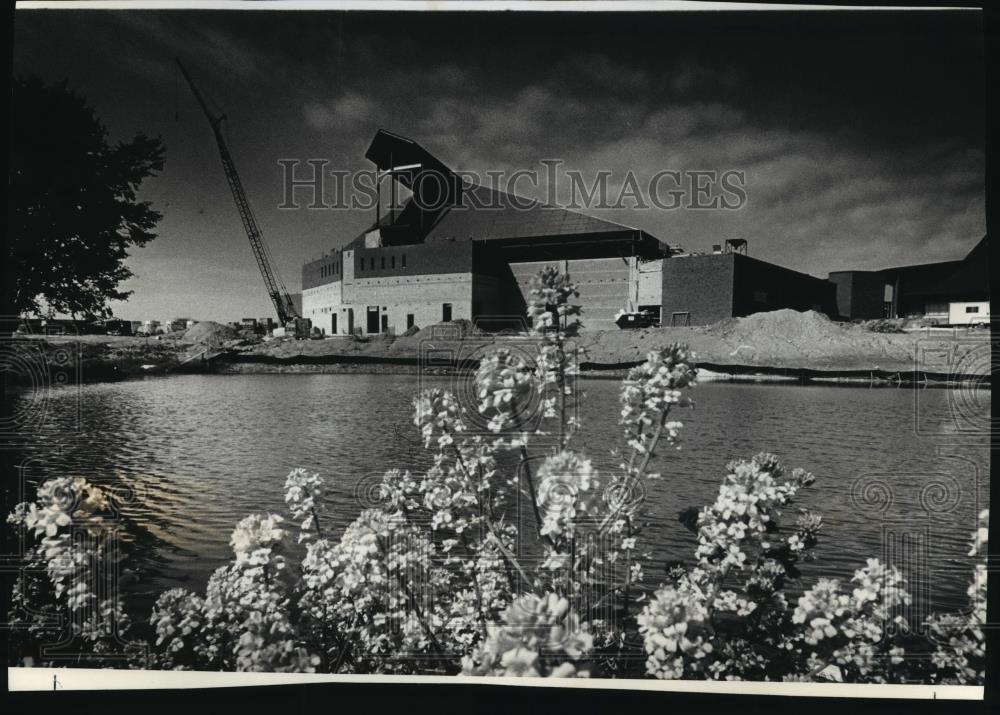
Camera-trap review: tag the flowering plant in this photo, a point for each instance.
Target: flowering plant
(70, 527)
(513, 555)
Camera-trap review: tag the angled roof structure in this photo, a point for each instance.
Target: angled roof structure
(475, 212)
(968, 277)
(972, 275)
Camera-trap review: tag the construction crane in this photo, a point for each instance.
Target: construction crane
(288, 316)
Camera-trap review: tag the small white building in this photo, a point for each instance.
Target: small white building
(969, 313)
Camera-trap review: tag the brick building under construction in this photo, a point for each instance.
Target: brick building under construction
(455, 251)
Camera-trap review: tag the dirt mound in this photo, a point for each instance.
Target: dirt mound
(209, 332)
(780, 326)
(779, 338)
(451, 333)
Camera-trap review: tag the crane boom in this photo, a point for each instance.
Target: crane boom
(275, 287)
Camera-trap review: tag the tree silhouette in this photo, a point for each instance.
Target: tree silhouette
(74, 212)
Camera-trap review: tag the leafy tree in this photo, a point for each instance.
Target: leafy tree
(74, 211)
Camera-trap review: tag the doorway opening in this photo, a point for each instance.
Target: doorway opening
(373, 313)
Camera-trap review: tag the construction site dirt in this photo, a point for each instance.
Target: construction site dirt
(779, 345)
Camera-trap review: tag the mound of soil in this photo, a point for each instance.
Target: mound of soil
(209, 332)
(779, 338)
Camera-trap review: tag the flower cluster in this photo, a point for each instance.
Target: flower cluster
(846, 636)
(747, 507)
(959, 654)
(244, 621)
(69, 525)
(438, 416)
(303, 494)
(539, 636)
(504, 385)
(650, 391)
(676, 632)
(549, 306)
(737, 534)
(374, 600)
(62, 502)
(567, 491)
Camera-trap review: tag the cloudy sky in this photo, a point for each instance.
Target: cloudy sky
(861, 135)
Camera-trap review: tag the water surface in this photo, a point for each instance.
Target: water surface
(202, 451)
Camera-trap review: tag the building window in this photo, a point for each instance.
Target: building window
(972, 309)
(445, 312)
(383, 263)
(409, 320)
(393, 262)
(371, 263)
(404, 260)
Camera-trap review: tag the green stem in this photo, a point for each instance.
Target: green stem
(525, 461)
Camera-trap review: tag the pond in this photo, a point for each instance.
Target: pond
(901, 473)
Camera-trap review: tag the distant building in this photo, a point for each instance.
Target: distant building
(456, 251)
(175, 325)
(706, 288)
(114, 326)
(948, 292)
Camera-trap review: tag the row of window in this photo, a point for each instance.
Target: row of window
(392, 262)
(333, 269)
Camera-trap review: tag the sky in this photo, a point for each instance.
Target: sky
(860, 135)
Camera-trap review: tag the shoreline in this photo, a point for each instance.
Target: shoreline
(756, 349)
(706, 372)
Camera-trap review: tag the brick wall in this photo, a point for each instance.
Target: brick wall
(388, 261)
(699, 285)
(325, 270)
(760, 286)
(318, 303)
(419, 259)
(604, 285)
(859, 294)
